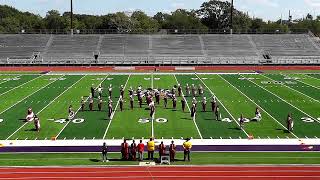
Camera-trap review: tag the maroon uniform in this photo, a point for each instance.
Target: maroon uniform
(125, 150)
(152, 109)
(165, 99)
(193, 110)
(110, 110)
(91, 103)
(179, 90)
(183, 104)
(82, 105)
(121, 104)
(100, 104)
(172, 151)
(174, 102)
(162, 149)
(133, 150)
(131, 102)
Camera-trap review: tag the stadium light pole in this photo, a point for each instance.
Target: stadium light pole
(231, 18)
(71, 16)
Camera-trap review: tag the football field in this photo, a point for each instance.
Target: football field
(50, 95)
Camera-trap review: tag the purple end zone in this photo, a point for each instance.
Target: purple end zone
(199, 148)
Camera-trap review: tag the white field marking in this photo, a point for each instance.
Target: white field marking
(78, 110)
(9, 79)
(257, 105)
(27, 96)
(308, 75)
(307, 83)
(292, 89)
(47, 105)
(21, 85)
(222, 105)
(283, 100)
(112, 115)
(158, 177)
(194, 120)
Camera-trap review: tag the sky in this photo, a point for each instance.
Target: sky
(265, 9)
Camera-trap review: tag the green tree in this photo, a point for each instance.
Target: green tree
(53, 20)
(143, 23)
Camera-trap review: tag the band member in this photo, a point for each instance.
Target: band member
(110, 90)
(125, 150)
(100, 103)
(110, 100)
(152, 109)
(183, 104)
(162, 149)
(130, 91)
(194, 91)
(157, 95)
(174, 102)
(148, 99)
(213, 104)
(172, 151)
(193, 111)
(121, 103)
(82, 104)
(258, 116)
(92, 91)
(37, 123)
(165, 100)
(179, 90)
(217, 113)
(100, 90)
(71, 113)
(30, 115)
(122, 90)
(173, 90)
(110, 110)
(200, 90)
(188, 90)
(204, 104)
(131, 102)
(241, 122)
(133, 150)
(140, 102)
(91, 103)
(290, 123)
(194, 101)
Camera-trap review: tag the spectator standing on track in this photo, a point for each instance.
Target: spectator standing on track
(172, 151)
(151, 147)
(104, 152)
(125, 150)
(162, 149)
(133, 150)
(187, 148)
(140, 150)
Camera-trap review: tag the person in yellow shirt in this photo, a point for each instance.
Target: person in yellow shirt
(151, 148)
(187, 148)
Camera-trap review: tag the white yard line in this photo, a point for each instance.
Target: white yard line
(308, 75)
(77, 111)
(107, 129)
(305, 82)
(21, 85)
(235, 120)
(282, 99)
(194, 120)
(256, 105)
(48, 105)
(9, 79)
(292, 89)
(27, 96)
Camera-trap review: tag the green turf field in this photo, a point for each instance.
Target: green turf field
(50, 96)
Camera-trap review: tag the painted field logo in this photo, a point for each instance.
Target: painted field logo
(143, 120)
(161, 120)
(147, 120)
(11, 79)
(1, 120)
(308, 120)
(62, 121)
(228, 120)
(57, 79)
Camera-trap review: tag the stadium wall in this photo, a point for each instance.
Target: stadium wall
(154, 68)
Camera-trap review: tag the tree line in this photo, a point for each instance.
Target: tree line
(212, 15)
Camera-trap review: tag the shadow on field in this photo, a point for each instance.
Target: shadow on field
(235, 128)
(283, 130)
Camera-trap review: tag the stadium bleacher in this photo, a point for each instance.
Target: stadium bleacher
(163, 49)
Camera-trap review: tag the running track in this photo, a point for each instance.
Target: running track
(165, 172)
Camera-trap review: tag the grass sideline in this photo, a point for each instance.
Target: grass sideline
(211, 158)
